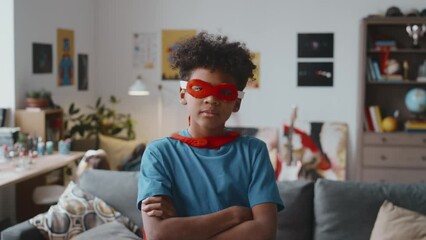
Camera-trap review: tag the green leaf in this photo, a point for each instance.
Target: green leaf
(98, 102)
(113, 99)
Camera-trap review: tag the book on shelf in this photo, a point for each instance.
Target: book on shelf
(393, 78)
(370, 70)
(376, 69)
(373, 70)
(367, 121)
(415, 125)
(384, 45)
(415, 130)
(376, 118)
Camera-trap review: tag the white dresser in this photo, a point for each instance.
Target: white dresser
(393, 157)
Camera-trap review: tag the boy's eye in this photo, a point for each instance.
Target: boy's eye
(197, 88)
(225, 92)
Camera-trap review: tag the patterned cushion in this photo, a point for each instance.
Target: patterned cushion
(76, 212)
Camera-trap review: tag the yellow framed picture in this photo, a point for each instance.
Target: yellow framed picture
(169, 43)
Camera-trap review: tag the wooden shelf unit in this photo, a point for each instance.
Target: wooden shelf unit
(45, 123)
(398, 156)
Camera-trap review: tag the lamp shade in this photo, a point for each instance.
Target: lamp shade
(138, 88)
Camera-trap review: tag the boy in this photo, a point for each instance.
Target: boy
(208, 182)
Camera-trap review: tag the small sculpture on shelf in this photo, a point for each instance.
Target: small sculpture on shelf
(421, 76)
(415, 32)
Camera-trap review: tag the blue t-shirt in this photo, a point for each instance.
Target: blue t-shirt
(202, 181)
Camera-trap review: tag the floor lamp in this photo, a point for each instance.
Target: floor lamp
(138, 88)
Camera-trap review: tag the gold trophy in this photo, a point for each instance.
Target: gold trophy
(415, 32)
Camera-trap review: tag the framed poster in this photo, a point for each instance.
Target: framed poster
(255, 81)
(65, 57)
(315, 74)
(315, 45)
(144, 50)
(83, 72)
(319, 148)
(42, 58)
(169, 42)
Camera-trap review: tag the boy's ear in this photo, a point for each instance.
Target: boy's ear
(237, 105)
(182, 99)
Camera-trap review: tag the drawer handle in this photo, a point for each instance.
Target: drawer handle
(385, 140)
(424, 140)
(424, 158)
(383, 158)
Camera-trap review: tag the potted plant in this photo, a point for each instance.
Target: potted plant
(38, 99)
(101, 119)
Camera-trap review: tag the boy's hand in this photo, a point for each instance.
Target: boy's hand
(159, 206)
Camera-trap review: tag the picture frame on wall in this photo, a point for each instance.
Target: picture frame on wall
(318, 149)
(42, 58)
(65, 57)
(83, 72)
(3, 112)
(315, 74)
(144, 50)
(169, 42)
(315, 45)
(254, 82)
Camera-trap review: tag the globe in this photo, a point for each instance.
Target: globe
(415, 100)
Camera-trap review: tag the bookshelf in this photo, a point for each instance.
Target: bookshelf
(397, 156)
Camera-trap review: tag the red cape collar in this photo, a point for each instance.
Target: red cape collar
(208, 142)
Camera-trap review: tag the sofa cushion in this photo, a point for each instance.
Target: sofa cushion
(296, 220)
(394, 222)
(22, 230)
(118, 189)
(76, 212)
(116, 149)
(348, 210)
(109, 231)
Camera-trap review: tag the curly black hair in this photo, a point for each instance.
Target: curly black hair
(213, 52)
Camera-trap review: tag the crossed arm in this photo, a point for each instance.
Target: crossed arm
(236, 222)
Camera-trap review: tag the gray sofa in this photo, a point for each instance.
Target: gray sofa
(324, 210)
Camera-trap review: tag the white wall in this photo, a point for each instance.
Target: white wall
(7, 65)
(38, 21)
(270, 27)
(24, 22)
(7, 90)
(104, 28)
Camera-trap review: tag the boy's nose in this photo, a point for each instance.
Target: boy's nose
(211, 100)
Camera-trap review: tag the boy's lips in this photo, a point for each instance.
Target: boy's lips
(209, 112)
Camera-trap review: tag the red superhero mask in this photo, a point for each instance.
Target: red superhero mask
(201, 89)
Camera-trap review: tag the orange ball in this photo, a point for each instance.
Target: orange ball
(389, 124)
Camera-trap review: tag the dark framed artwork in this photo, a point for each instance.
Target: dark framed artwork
(315, 45)
(315, 74)
(83, 72)
(3, 112)
(42, 58)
